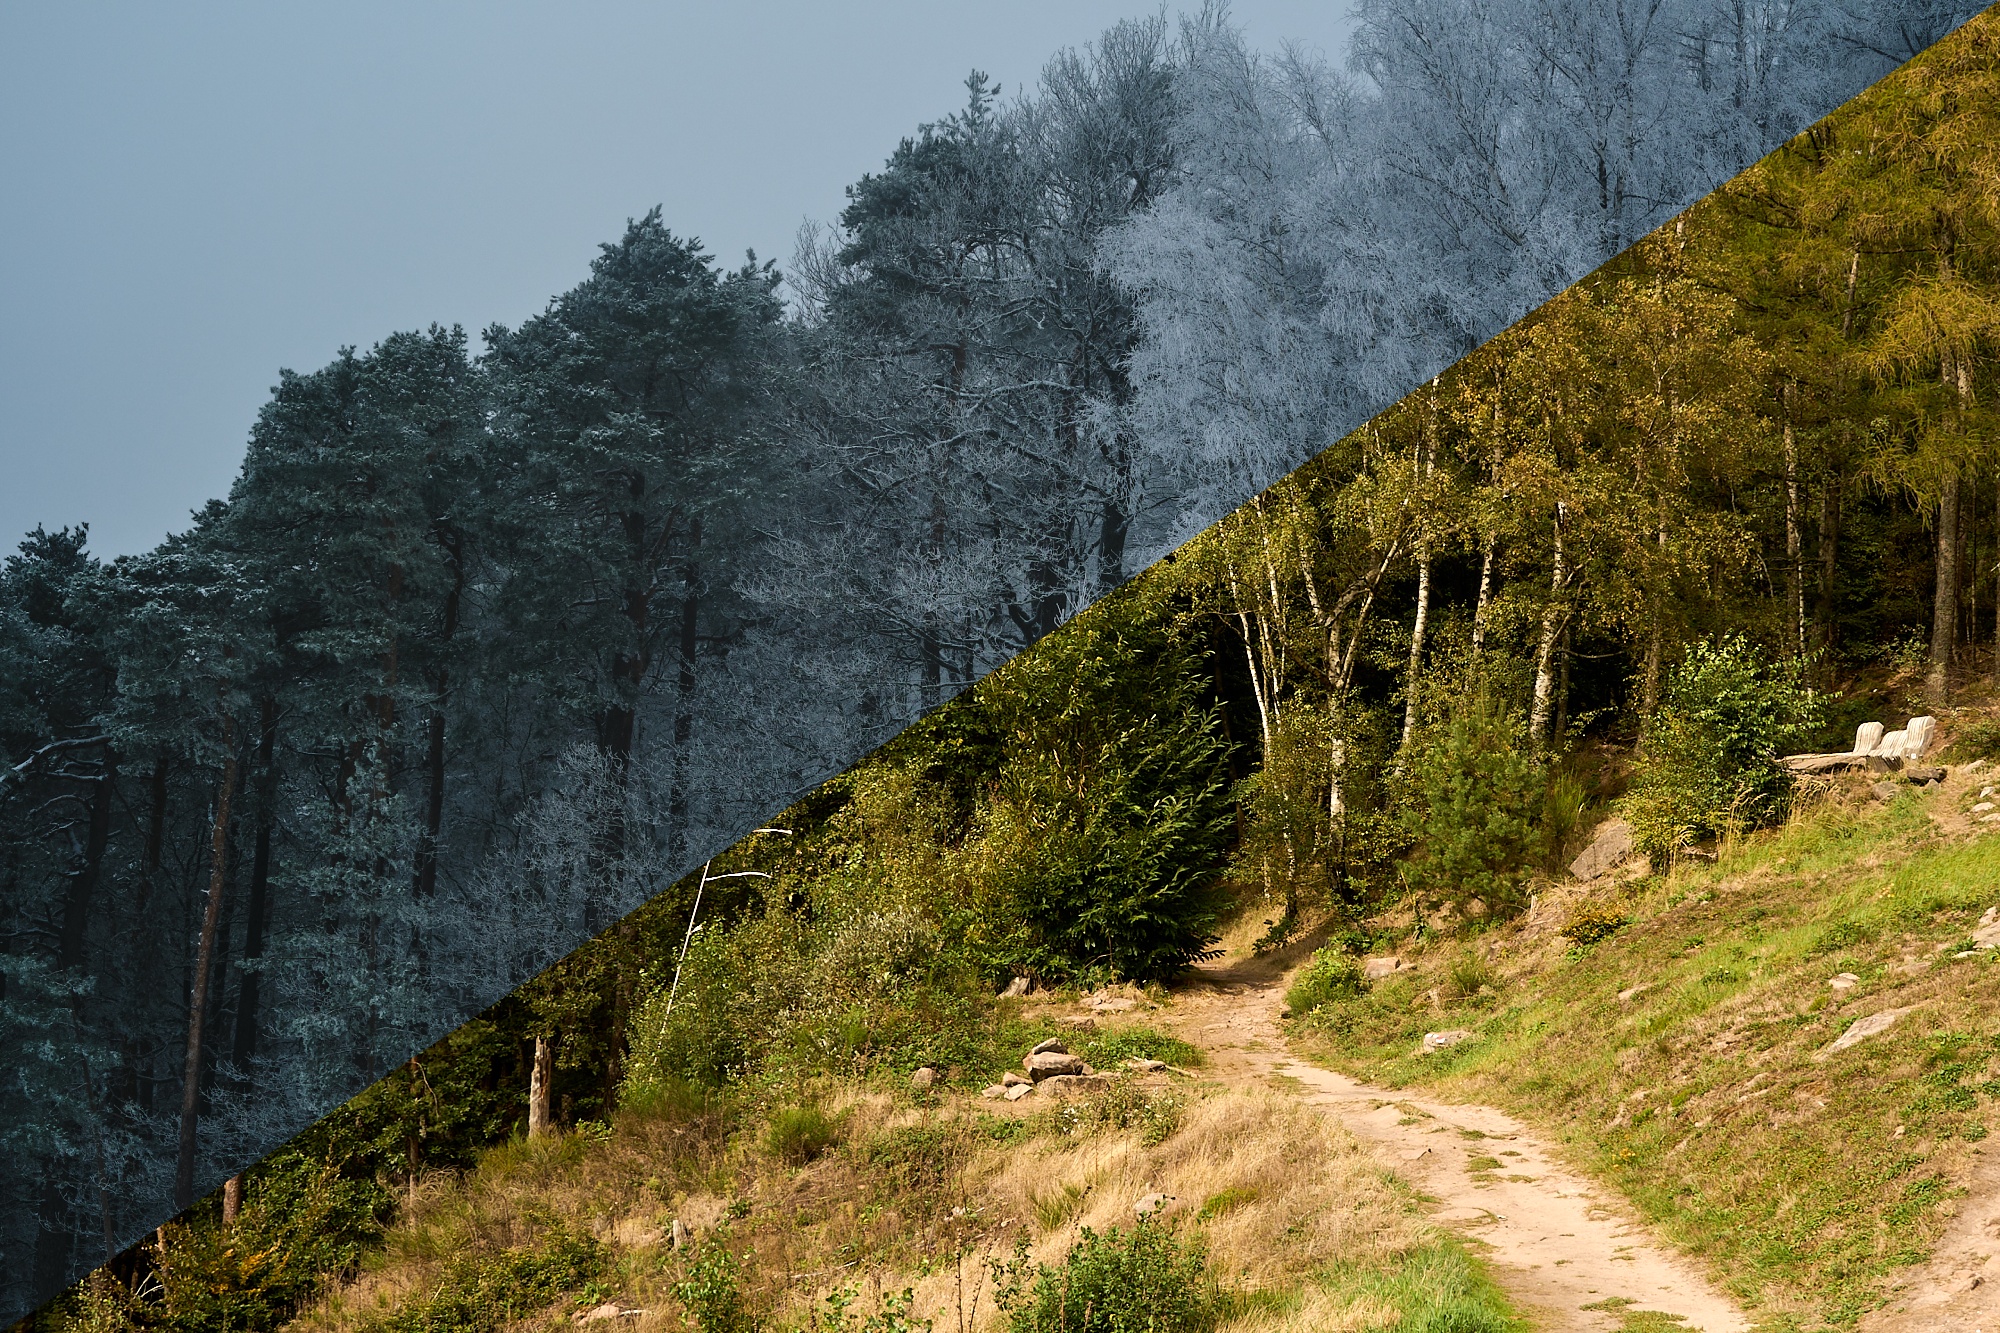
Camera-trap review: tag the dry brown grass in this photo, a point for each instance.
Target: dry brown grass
(920, 1197)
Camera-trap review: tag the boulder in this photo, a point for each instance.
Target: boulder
(1018, 1091)
(1982, 807)
(1052, 1064)
(1610, 847)
(925, 1079)
(1054, 1044)
(1064, 1085)
(1861, 1029)
(1883, 791)
(1924, 775)
(1987, 933)
(1010, 1078)
(1845, 981)
(1374, 969)
(993, 1092)
(1438, 1041)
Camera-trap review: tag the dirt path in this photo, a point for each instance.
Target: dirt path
(1959, 1288)
(1554, 1243)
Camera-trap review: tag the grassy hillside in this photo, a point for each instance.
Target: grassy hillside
(852, 1207)
(1683, 1056)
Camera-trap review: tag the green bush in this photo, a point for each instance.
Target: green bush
(1106, 833)
(710, 1290)
(1328, 975)
(1707, 762)
(1473, 796)
(1587, 925)
(1146, 1280)
(798, 1134)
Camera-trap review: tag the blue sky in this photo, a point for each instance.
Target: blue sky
(197, 195)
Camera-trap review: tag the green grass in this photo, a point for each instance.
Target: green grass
(1785, 1170)
(1439, 1289)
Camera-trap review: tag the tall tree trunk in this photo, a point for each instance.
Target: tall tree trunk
(453, 543)
(257, 913)
(680, 800)
(204, 959)
(83, 883)
(1416, 647)
(1829, 550)
(1944, 603)
(1486, 562)
(1553, 616)
(1795, 581)
(541, 1073)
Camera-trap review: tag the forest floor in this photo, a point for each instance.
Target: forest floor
(1570, 1257)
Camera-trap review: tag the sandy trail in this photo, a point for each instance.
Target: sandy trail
(1959, 1288)
(1555, 1243)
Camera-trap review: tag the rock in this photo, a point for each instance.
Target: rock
(925, 1079)
(1984, 792)
(1987, 933)
(1374, 969)
(1845, 981)
(1063, 1085)
(1631, 993)
(1990, 819)
(1076, 1023)
(608, 1310)
(1019, 986)
(993, 1092)
(1018, 1091)
(1924, 776)
(1438, 1041)
(1145, 1066)
(678, 1233)
(1609, 848)
(1982, 807)
(1046, 1065)
(1806, 764)
(1010, 1078)
(1861, 1029)
(1152, 1203)
(1049, 1044)
(1883, 791)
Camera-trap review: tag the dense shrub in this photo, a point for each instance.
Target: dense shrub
(1146, 1280)
(1329, 975)
(710, 1290)
(1588, 925)
(798, 1134)
(1708, 759)
(1106, 835)
(1473, 795)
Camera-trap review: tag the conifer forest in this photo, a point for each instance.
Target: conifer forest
(1350, 435)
